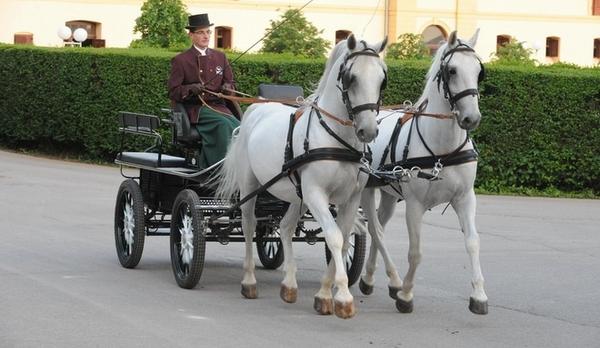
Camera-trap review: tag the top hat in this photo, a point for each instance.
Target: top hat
(198, 21)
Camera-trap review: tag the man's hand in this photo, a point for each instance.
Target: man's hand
(196, 88)
(227, 88)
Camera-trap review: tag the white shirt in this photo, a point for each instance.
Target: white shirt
(201, 50)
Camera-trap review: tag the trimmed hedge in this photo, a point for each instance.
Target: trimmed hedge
(540, 126)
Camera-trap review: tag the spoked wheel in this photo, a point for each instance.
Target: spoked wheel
(270, 253)
(129, 223)
(355, 258)
(188, 241)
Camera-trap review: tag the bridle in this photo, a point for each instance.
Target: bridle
(443, 75)
(346, 78)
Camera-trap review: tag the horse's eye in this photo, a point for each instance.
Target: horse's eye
(452, 71)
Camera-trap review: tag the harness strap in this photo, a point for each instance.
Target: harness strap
(451, 159)
(320, 154)
(335, 136)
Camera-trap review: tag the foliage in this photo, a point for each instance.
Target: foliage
(295, 34)
(408, 46)
(162, 24)
(513, 53)
(539, 131)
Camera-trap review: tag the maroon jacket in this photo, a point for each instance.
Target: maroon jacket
(191, 67)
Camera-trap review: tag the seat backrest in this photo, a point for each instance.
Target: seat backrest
(183, 131)
(272, 91)
(132, 122)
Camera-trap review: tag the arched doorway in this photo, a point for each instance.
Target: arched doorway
(93, 29)
(432, 36)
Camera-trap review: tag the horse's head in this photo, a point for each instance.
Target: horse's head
(362, 77)
(460, 72)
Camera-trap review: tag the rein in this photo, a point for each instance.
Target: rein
(252, 100)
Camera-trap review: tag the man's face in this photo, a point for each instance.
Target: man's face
(201, 37)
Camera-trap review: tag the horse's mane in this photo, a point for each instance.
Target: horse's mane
(432, 72)
(338, 51)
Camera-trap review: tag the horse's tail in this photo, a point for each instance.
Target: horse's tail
(227, 176)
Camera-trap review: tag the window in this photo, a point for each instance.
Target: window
(596, 8)
(223, 37)
(433, 35)
(502, 40)
(341, 35)
(597, 48)
(552, 45)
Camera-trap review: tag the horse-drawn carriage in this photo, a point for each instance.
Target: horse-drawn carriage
(325, 158)
(173, 197)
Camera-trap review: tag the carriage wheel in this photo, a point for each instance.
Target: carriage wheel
(129, 223)
(355, 258)
(270, 253)
(187, 240)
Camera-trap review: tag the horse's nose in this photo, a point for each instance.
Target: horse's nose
(361, 134)
(366, 136)
(470, 122)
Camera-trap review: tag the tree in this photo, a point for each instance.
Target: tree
(408, 46)
(162, 24)
(513, 53)
(294, 34)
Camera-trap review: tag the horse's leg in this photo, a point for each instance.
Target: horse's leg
(378, 218)
(346, 218)
(248, 184)
(414, 218)
(289, 286)
(465, 207)
(344, 305)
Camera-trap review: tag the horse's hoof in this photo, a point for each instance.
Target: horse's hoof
(393, 292)
(365, 288)
(323, 306)
(478, 307)
(403, 306)
(344, 310)
(289, 295)
(249, 291)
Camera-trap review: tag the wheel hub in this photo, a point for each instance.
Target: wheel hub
(128, 224)
(187, 236)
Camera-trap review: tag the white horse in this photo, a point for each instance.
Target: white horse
(334, 126)
(452, 85)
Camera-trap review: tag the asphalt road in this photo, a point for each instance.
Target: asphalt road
(61, 284)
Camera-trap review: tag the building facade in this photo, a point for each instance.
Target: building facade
(557, 30)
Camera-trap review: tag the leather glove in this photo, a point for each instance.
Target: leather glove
(196, 88)
(227, 88)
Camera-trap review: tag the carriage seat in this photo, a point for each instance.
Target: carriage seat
(183, 131)
(272, 91)
(144, 125)
(150, 159)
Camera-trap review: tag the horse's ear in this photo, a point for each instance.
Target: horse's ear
(351, 42)
(383, 44)
(452, 38)
(473, 39)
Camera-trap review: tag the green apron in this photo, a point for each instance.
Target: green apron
(215, 130)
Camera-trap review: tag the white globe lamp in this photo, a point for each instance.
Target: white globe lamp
(64, 32)
(80, 35)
